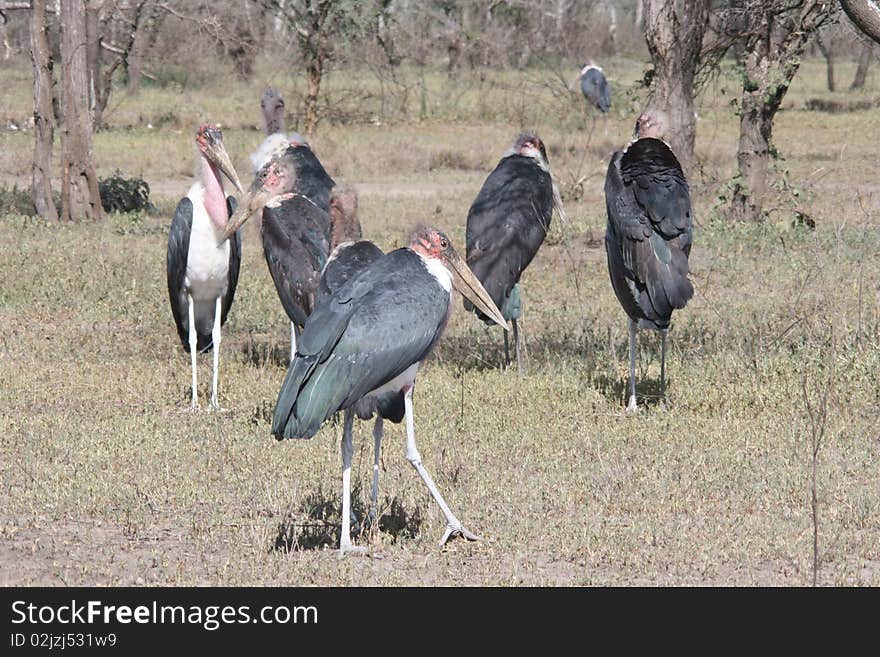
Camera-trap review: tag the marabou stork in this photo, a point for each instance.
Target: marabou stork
(649, 234)
(295, 227)
(363, 345)
(203, 259)
(596, 91)
(507, 224)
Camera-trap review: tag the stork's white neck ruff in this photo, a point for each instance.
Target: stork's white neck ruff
(590, 66)
(438, 270)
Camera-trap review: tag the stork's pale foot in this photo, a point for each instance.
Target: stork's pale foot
(632, 407)
(457, 529)
(345, 547)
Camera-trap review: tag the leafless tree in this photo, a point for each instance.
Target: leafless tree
(865, 57)
(319, 25)
(80, 198)
(674, 32)
(774, 34)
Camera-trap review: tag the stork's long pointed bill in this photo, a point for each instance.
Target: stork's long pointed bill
(255, 199)
(464, 280)
(221, 158)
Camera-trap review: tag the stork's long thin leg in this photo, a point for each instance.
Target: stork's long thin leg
(215, 338)
(453, 525)
(631, 406)
(517, 343)
(506, 352)
(193, 348)
(292, 341)
(345, 545)
(605, 116)
(378, 431)
(663, 334)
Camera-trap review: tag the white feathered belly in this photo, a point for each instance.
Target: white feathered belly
(207, 269)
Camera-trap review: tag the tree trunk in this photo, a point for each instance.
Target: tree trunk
(772, 59)
(80, 198)
(861, 75)
(865, 14)
(314, 73)
(41, 178)
(753, 160)
(828, 54)
(674, 32)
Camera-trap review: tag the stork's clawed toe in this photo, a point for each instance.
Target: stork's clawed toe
(348, 548)
(456, 529)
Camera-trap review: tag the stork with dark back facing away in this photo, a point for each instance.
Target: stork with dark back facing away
(350, 256)
(295, 228)
(649, 235)
(596, 91)
(507, 224)
(203, 260)
(363, 344)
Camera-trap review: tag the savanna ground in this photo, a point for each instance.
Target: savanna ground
(109, 478)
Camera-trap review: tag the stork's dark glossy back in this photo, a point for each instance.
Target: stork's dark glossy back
(507, 224)
(596, 89)
(650, 231)
(312, 179)
(370, 330)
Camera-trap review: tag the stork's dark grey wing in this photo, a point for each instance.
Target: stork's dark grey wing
(175, 266)
(234, 264)
(312, 180)
(368, 332)
(507, 224)
(649, 232)
(296, 244)
(651, 170)
(347, 260)
(596, 90)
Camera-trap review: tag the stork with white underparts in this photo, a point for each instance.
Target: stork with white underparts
(507, 224)
(203, 260)
(366, 341)
(649, 235)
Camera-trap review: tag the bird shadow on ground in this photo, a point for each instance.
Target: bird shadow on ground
(263, 351)
(485, 351)
(318, 523)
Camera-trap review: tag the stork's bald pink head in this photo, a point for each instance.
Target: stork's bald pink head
(432, 243)
(209, 141)
(651, 123)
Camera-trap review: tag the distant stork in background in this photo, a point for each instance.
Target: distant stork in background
(203, 260)
(596, 91)
(506, 226)
(366, 340)
(649, 235)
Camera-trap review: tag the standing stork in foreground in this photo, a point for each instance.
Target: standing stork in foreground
(203, 260)
(350, 256)
(506, 226)
(295, 227)
(367, 340)
(649, 235)
(596, 91)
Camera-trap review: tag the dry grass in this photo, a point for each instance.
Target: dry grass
(108, 478)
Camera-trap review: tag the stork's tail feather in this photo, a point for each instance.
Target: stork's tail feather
(292, 420)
